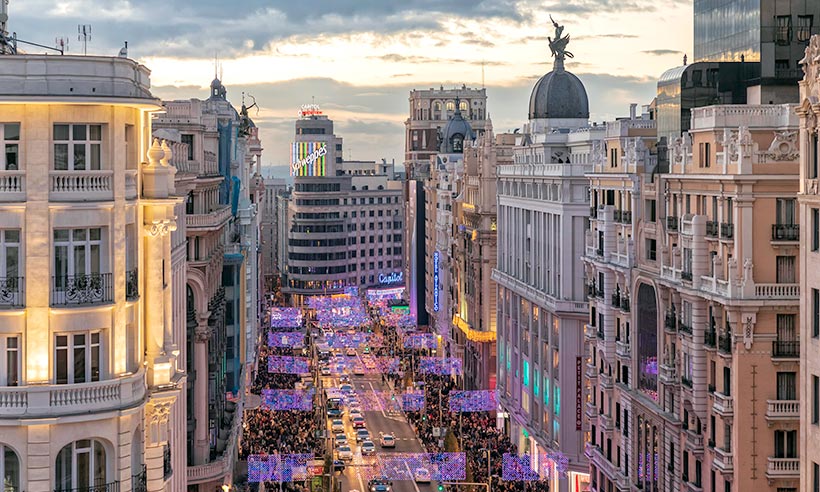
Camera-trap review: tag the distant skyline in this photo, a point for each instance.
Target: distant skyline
(360, 58)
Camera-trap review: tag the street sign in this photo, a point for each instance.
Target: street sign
(436, 431)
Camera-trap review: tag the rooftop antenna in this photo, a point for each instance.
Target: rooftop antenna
(5, 45)
(61, 43)
(84, 35)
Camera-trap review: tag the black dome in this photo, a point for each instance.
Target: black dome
(559, 94)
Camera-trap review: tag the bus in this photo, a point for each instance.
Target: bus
(334, 402)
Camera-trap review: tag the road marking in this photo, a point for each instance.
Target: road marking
(412, 477)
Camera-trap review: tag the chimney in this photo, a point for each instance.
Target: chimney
(632, 108)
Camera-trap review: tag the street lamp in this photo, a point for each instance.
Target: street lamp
(489, 465)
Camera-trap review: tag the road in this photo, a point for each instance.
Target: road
(356, 474)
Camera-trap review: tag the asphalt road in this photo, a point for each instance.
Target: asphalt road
(358, 472)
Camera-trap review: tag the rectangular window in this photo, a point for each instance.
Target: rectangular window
(814, 163)
(815, 229)
(783, 32)
(77, 357)
(77, 147)
(651, 249)
(10, 360)
(815, 477)
(804, 25)
(785, 444)
(815, 400)
(786, 211)
(10, 143)
(189, 141)
(786, 270)
(787, 386)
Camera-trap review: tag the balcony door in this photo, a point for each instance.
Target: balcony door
(81, 465)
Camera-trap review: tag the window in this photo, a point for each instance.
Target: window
(9, 360)
(705, 155)
(785, 444)
(815, 477)
(783, 33)
(815, 229)
(77, 357)
(10, 136)
(815, 400)
(10, 257)
(804, 25)
(785, 210)
(81, 465)
(651, 249)
(189, 141)
(77, 147)
(787, 386)
(814, 161)
(9, 469)
(651, 210)
(786, 272)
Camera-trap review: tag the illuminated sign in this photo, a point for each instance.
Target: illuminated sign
(578, 396)
(392, 278)
(308, 159)
(436, 255)
(307, 110)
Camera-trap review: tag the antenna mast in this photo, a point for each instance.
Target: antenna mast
(84, 35)
(61, 43)
(6, 45)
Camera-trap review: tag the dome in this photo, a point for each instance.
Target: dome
(559, 94)
(455, 133)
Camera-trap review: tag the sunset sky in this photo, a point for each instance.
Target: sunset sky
(360, 58)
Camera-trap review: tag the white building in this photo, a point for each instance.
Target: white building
(542, 215)
(92, 379)
(270, 225)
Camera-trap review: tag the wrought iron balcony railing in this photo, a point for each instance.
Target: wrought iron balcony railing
(102, 487)
(94, 288)
(132, 286)
(785, 349)
(166, 463)
(785, 232)
(11, 292)
(727, 231)
(712, 228)
(672, 223)
(139, 482)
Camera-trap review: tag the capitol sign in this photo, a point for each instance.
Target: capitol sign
(392, 278)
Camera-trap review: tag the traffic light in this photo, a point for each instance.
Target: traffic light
(440, 487)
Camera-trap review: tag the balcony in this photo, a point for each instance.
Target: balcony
(592, 410)
(712, 228)
(81, 186)
(70, 290)
(45, 401)
(167, 470)
(616, 299)
(672, 224)
(685, 328)
(694, 441)
(589, 332)
(605, 422)
(210, 221)
(12, 186)
(12, 292)
(105, 487)
(605, 380)
(725, 343)
(599, 251)
(139, 482)
(667, 374)
(780, 410)
(132, 285)
(626, 217)
(710, 339)
(131, 184)
(686, 381)
(785, 232)
(783, 468)
(785, 350)
(686, 275)
(671, 322)
(777, 291)
(723, 404)
(622, 349)
(625, 304)
(591, 372)
(600, 333)
(727, 231)
(616, 215)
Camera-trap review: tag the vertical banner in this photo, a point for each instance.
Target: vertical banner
(578, 393)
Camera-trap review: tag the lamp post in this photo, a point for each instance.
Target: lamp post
(489, 465)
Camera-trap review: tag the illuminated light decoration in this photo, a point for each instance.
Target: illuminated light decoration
(294, 339)
(308, 159)
(442, 366)
(391, 278)
(352, 291)
(436, 256)
(412, 401)
(420, 341)
(288, 365)
(344, 340)
(473, 335)
(342, 311)
(275, 399)
(554, 464)
(517, 468)
(377, 401)
(382, 365)
(285, 317)
(443, 467)
(473, 401)
(308, 110)
(374, 295)
(279, 467)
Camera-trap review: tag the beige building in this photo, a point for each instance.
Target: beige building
(809, 203)
(711, 313)
(92, 373)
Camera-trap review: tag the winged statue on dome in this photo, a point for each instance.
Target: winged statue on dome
(558, 45)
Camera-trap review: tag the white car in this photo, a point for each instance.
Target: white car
(422, 475)
(337, 425)
(351, 352)
(358, 370)
(362, 435)
(341, 440)
(355, 412)
(368, 448)
(325, 371)
(388, 441)
(345, 453)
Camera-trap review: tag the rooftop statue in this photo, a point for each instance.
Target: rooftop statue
(558, 46)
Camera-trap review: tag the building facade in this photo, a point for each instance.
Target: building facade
(93, 380)
(270, 227)
(429, 112)
(543, 209)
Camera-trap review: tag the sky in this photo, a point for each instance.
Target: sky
(359, 59)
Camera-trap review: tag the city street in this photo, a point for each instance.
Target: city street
(357, 473)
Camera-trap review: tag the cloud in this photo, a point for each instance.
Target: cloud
(662, 52)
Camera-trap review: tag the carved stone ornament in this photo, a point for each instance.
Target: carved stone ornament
(157, 415)
(598, 153)
(159, 228)
(748, 329)
(784, 147)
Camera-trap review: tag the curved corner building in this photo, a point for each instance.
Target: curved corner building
(90, 376)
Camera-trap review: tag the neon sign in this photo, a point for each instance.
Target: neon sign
(393, 278)
(308, 159)
(307, 110)
(436, 255)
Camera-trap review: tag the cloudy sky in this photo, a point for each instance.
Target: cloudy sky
(359, 59)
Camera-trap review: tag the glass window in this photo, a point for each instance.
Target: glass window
(77, 147)
(9, 142)
(81, 465)
(10, 469)
(9, 360)
(77, 357)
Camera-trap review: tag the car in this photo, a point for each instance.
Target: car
(388, 441)
(368, 448)
(338, 466)
(341, 440)
(345, 453)
(350, 352)
(337, 425)
(366, 350)
(355, 412)
(334, 412)
(346, 388)
(325, 371)
(380, 484)
(344, 379)
(421, 475)
(362, 435)
(358, 370)
(358, 422)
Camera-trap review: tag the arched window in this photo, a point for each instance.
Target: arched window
(451, 106)
(437, 106)
(464, 106)
(458, 142)
(9, 469)
(81, 465)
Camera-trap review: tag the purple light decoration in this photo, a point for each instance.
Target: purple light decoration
(287, 399)
(443, 467)
(412, 401)
(441, 366)
(339, 311)
(517, 468)
(294, 339)
(556, 460)
(356, 340)
(278, 467)
(651, 366)
(288, 365)
(473, 401)
(420, 341)
(285, 317)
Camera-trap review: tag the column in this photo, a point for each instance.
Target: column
(202, 335)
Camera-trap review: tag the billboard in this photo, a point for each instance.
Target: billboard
(308, 159)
